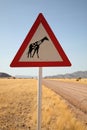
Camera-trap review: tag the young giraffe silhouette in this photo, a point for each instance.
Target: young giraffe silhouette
(34, 47)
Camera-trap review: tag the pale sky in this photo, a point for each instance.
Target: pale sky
(67, 19)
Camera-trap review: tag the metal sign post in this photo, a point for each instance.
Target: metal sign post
(39, 99)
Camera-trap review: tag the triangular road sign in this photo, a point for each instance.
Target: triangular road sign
(40, 48)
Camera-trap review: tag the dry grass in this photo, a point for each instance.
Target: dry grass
(18, 108)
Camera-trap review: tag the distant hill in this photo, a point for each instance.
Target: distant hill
(81, 74)
(77, 74)
(4, 75)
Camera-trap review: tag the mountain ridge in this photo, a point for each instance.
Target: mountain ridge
(3, 75)
(77, 74)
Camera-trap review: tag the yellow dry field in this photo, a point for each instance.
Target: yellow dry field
(18, 108)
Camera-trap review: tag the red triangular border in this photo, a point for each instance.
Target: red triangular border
(17, 63)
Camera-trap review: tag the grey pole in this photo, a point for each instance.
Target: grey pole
(39, 98)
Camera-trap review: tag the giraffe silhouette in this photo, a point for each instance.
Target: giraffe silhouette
(34, 47)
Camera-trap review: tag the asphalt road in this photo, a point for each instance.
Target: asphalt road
(75, 93)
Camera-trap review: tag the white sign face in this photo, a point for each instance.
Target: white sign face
(40, 48)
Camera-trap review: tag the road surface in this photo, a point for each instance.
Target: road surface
(75, 93)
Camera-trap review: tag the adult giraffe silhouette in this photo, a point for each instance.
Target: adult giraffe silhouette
(34, 47)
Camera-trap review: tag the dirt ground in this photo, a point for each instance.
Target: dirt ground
(18, 108)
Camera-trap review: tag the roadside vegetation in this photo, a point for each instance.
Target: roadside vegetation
(18, 108)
